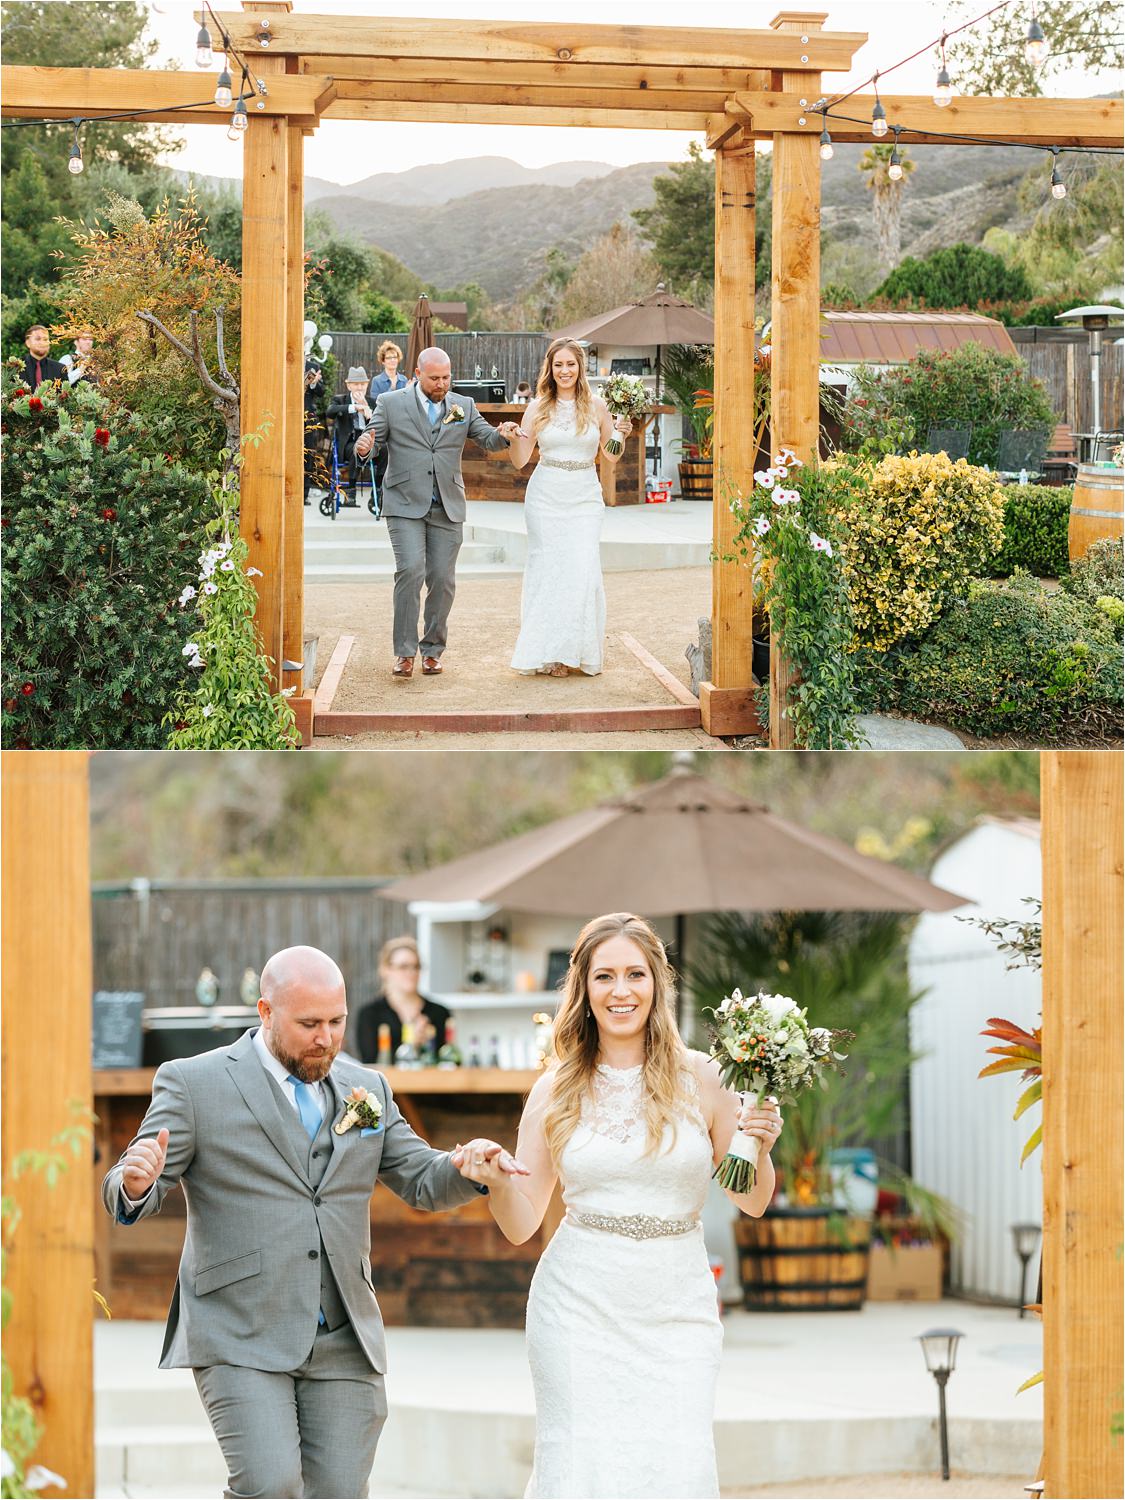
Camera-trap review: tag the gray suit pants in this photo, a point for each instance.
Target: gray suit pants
(425, 549)
(306, 1432)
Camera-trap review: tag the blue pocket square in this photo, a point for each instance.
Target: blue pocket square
(370, 1129)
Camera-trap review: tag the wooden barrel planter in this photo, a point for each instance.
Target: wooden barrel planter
(1096, 510)
(695, 479)
(803, 1260)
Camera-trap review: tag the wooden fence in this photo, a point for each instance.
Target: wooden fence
(158, 937)
(1062, 363)
(514, 356)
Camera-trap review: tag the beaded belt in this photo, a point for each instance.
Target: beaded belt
(635, 1226)
(568, 463)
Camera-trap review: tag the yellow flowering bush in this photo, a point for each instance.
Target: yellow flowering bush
(916, 534)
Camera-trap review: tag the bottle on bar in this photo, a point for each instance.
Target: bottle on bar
(428, 1051)
(474, 1052)
(450, 1054)
(494, 1052)
(407, 1054)
(383, 1058)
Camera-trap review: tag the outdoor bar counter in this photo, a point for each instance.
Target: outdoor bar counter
(490, 476)
(451, 1269)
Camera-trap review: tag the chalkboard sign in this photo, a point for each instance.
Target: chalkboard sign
(117, 1028)
(558, 961)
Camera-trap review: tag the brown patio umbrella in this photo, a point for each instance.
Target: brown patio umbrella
(680, 845)
(659, 319)
(421, 334)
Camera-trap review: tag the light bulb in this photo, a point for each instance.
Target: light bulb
(943, 88)
(240, 120)
(1035, 49)
(1058, 186)
(878, 120)
(894, 171)
(826, 151)
(233, 132)
(203, 54)
(76, 164)
(224, 96)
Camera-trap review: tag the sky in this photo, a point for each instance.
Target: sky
(344, 151)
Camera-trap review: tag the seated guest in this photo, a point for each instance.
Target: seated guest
(389, 357)
(522, 393)
(314, 426)
(37, 367)
(351, 414)
(400, 1003)
(77, 365)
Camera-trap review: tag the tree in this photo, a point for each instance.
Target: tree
(1073, 249)
(989, 58)
(680, 225)
(887, 198)
(616, 269)
(956, 276)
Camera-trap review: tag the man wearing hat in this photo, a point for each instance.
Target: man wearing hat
(352, 416)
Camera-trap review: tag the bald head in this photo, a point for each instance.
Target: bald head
(434, 373)
(304, 1010)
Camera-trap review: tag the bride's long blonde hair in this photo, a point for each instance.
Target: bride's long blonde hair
(576, 1037)
(547, 391)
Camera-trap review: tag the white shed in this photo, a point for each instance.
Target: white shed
(965, 1144)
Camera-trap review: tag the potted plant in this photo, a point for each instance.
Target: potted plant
(688, 371)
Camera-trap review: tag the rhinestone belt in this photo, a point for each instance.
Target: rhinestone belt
(568, 463)
(635, 1226)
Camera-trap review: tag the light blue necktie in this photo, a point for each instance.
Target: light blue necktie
(310, 1119)
(434, 410)
(306, 1107)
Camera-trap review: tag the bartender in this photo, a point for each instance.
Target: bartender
(400, 1003)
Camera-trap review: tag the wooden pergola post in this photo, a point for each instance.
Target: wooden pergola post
(266, 319)
(1083, 1169)
(293, 569)
(47, 989)
(795, 330)
(727, 701)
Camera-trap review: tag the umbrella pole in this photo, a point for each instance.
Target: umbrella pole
(681, 994)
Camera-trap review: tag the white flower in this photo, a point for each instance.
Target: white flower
(781, 471)
(254, 573)
(818, 543)
(188, 593)
(191, 649)
(208, 710)
(210, 588)
(787, 456)
(786, 497)
(7, 1465)
(766, 478)
(222, 549)
(761, 525)
(776, 1006)
(227, 566)
(38, 1478)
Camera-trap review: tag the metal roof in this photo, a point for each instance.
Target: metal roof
(883, 338)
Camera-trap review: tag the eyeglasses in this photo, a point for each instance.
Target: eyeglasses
(404, 966)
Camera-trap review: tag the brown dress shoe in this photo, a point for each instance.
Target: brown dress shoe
(431, 666)
(403, 667)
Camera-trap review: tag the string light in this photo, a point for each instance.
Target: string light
(204, 57)
(878, 115)
(1035, 49)
(240, 120)
(76, 164)
(943, 86)
(826, 151)
(894, 170)
(224, 94)
(1058, 186)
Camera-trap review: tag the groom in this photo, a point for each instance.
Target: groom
(274, 1308)
(424, 499)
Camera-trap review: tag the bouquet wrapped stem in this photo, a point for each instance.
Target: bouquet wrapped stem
(738, 1170)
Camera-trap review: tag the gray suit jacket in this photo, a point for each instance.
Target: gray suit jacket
(421, 457)
(249, 1280)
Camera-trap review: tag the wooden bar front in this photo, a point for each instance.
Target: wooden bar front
(490, 476)
(453, 1270)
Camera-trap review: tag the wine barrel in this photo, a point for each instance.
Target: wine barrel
(803, 1260)
(695, 479)
(1096, 510)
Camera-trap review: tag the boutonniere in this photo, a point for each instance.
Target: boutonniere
(360, 1108)
(455, 414)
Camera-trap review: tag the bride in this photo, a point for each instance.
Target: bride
(623, 1333)
(563, 614)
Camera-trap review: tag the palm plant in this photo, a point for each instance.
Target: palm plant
(887, 200)
(687, 370)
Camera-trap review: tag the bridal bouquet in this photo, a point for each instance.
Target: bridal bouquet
(764, 1045)
(625, 395)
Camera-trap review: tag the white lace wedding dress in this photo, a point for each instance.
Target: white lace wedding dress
(563, 613)
(623, 1334)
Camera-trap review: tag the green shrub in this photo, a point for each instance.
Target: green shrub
(1036, 522)
(1010, 659)
(955, 276)
(100, 535)
(1098, 572)
(967, 387)
(913, 536)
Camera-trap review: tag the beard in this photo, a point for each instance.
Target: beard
(310, 1068)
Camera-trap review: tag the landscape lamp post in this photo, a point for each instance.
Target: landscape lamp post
(1025, 1237)
(939, 1345)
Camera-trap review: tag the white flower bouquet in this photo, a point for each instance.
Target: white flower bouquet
(765, 1046)
(626, 396)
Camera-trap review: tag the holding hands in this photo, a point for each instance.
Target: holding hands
(144, 1162)
(487, 1162)
(762, 1121)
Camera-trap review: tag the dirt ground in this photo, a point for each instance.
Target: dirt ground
(959, 1486)
(660, 609)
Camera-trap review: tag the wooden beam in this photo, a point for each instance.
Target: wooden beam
(47, 985)
(293, 531)
(543, 75)
(552, 721)
(524, 41)
(590, 96)
(63, 93)
(265, 235)
(728, 701)
(795, 333)
(1045, 122)
(666, 679)
(722, 128)
(1082, 1122)
(333, 672)
(439, 113)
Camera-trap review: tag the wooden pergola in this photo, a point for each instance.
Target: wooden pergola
(735, 86)
(48, 981)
